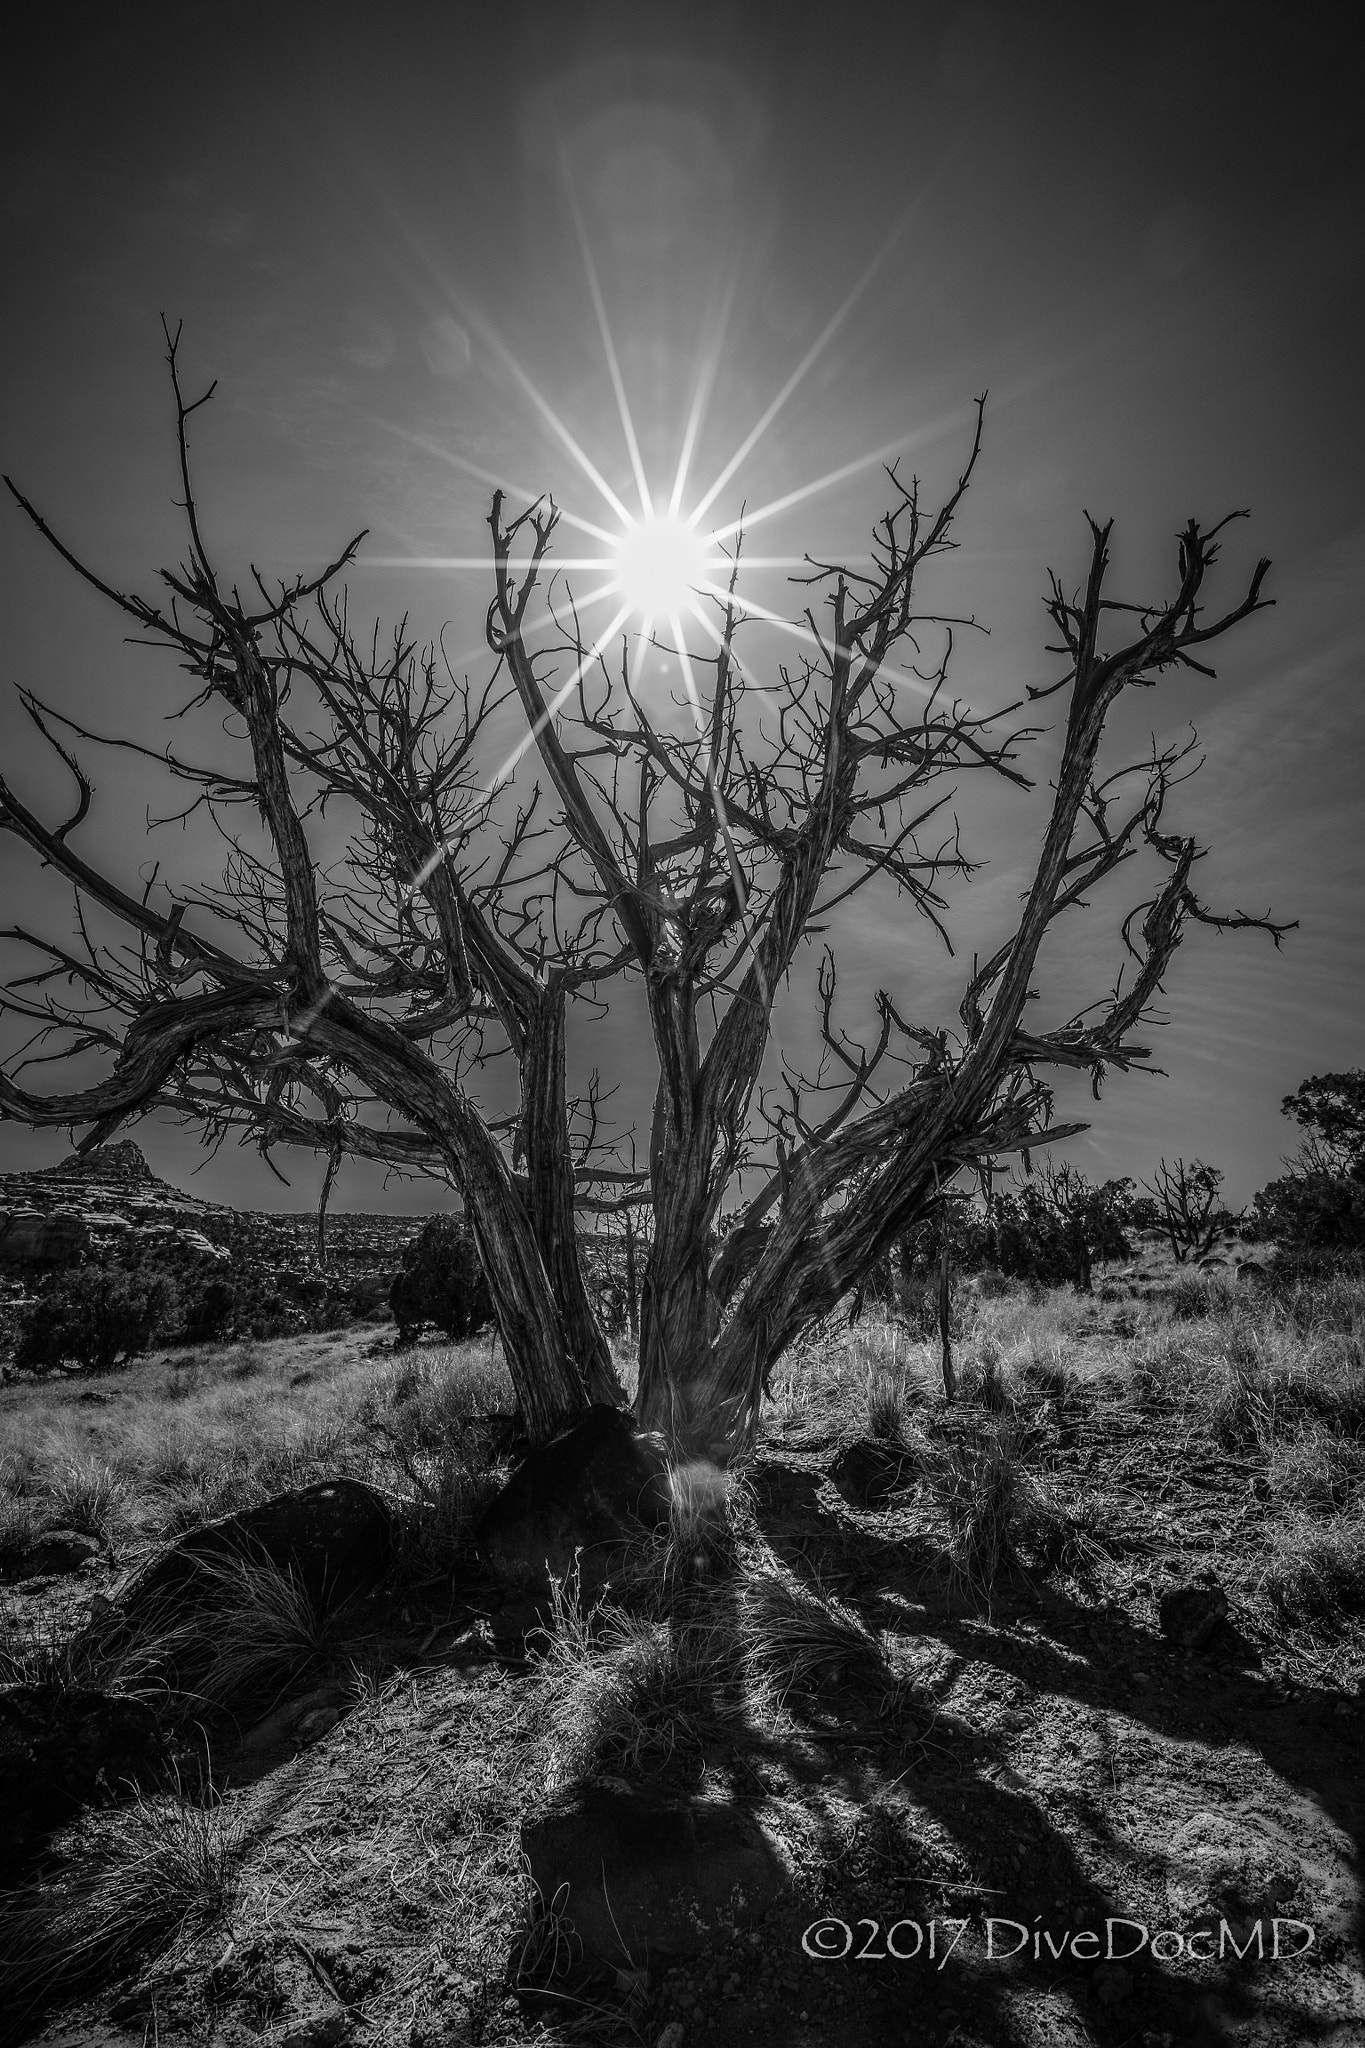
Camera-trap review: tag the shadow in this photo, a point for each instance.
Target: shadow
(957, 1784)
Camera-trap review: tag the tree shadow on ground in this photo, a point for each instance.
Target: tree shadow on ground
(906, 1804)
(956, 1781)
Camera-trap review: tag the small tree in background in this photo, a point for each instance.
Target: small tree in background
(1053, 1228)
(209, 1312)
(1316, 1212)
(441, 1281)
(97, 1315)
(1189, 1198)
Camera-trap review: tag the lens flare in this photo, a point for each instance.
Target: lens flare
(659, 566)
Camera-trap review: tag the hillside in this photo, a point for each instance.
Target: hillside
(110, 1203)
(110, 1206)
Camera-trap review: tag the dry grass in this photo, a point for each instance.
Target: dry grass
(798, 1636)
(434, 1524)
(20, 1523)
(177, 1440)
(714, 1656)
(632, 1694)
(985, 1501)
(1047, 1369)
(87, 1494)
(1318, 1470)
(138, 1877)
(249, 1633)
(886, 1406)
(1317, 1571)
(989, 1382)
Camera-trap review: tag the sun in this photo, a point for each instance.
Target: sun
(660, 563)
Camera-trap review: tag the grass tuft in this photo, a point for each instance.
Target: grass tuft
(635, 1695)
(18, 1528)
(987, 1503)
(87, 1495)
(1317, 1573)
(243, 1634)
(1318, 1470)
(798, 1636)
(886, 1407)
(144, 1873)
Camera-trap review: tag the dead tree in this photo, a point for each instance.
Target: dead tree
(352, 1005)
(1190, 1200)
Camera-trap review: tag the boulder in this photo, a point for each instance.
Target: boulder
(868, 1471)
(641, 1874)
(64, 1748)
(1190, 1614)
(333, 1535)
(582, 1495)
(55, 1554)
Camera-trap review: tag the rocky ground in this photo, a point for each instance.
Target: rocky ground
(933, 1821)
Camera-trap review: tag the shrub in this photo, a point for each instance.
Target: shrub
(97, 1315)
(1054, 1228)
(1316, 1212)
(995, 1514)
(209, 1313)
(441, 1282)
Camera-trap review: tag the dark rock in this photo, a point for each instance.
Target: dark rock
(1190, 1614)
(54, 1555)
(333, 1535)
(642, 1875)
(869, 1471)
(581, 1495)
(64, 1748)
(1111, 1983)
(1251, 1269)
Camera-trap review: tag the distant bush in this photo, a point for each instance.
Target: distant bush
(1316, 1212)
(1052, 1230)
(209, 1312)
(1191, 1211)
(441, 1282)
(261, 1305)
(97, 1316)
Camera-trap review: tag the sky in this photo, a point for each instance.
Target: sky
(1137, 228)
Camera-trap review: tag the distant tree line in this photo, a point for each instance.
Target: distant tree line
(1050, 1229)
